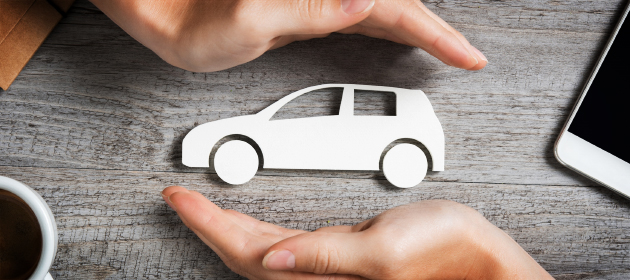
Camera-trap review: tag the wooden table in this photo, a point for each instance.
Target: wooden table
(95, 123)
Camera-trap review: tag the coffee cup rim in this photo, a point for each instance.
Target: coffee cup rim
(45, 219)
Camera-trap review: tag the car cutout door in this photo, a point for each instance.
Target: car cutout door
(372, 129)
(308, 142)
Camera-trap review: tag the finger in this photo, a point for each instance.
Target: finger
(172, 189)
(363, 225)
(335, 229)
(310, 16)
(222, 234)
(251, 221)
(483, 60)
(248, 223)
(407, 21)
(319, 253)
(433, 38)
(267, 274)
(373, 32)
(260, 227)
(288, 275)
(169, 191)
(444, 24)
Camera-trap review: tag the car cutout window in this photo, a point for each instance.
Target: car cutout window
(374, 103)
(316, 103)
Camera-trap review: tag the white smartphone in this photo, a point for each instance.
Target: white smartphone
(595, 141)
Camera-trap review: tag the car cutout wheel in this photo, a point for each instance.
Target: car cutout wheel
(236, 162)
(405, 165)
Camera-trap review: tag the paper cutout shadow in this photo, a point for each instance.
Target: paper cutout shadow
(343, 141)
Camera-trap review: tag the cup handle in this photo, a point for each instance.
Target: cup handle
(48, 277)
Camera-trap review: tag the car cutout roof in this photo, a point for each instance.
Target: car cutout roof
(273, 108)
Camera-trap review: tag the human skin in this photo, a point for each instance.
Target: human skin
(434, 239)
(212, 35)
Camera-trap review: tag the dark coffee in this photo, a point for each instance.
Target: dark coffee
(20, 238)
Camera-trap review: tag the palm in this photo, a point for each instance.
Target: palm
(240, 240)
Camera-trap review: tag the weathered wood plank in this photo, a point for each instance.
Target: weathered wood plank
(115, 224)
(543, 15)
(95, 123)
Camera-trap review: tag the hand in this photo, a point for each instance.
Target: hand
(213, 35)
(240, 240)
(424, 240)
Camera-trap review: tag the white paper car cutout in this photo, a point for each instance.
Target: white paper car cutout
(339, 142)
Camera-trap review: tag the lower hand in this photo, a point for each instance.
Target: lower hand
(423, 240)
(213, 35)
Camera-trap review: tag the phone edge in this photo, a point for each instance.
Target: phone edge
(583, 92)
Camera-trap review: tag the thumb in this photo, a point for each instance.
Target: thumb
(319, 253)
(314, 16)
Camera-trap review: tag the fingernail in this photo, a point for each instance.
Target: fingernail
(279, 260)
(355, 6)
(168, 201)
(483, 57)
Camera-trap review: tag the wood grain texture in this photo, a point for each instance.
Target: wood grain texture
(95, 121)
(114, 223)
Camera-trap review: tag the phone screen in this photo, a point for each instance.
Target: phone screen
(603, 118)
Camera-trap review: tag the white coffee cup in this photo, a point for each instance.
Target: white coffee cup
(46, 223)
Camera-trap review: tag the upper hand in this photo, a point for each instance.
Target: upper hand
(213, 35)
(424, 240)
